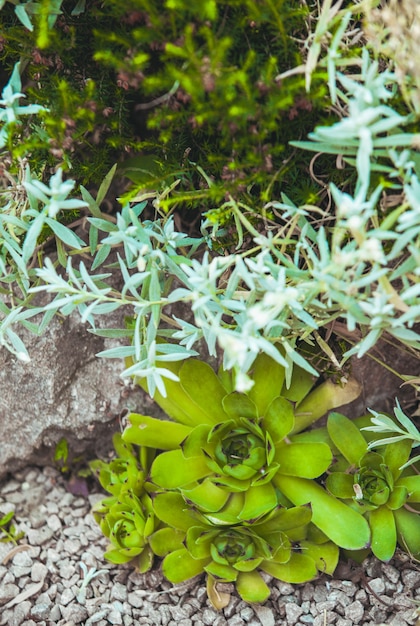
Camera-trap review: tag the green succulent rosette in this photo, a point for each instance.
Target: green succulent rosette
(223, 442)
(126, 518)
(127, 521)
(374, 484)
(127, 471)
(283, 544)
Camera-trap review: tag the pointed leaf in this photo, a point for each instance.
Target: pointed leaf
(230, 512)
(258, 501)
(384, 533)
(322, 399)
(171, 509)
(177, 403)
(145, 560)
(196, 440)
(279, 419)
(344, 526)
(225, 573)
(154, 433)
(301, 384)
(347, 437)
(268, 377)
(117, 557)
(207, 496)
(179, 566)
(412, 484)
(325, 555)
(248, 565)
(166, 540)
(251, 587)
(286, 519)
(398, 497)
(299, 569)
(308, 460)
(201, 384)
(408, 531)
(340, 485)
(239, 405)
(172, 470)
(396, 455)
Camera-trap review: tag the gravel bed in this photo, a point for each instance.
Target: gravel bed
(41, 579)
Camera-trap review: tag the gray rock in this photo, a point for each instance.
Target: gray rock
(20, 613)
(64, 391)
(55, 614)
(39, 536)
(377, 585)
(38, 572)
(354, 612)
(75, 613)
(40, 611)
(293, 612)
(7, 592)
(118, 592)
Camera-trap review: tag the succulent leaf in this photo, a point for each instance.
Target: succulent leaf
(166, 540)
(299, 569)
(384, 533)
(308, 460)
(278, 419)
(171, 469)
(203, 387)
(251, 587)
(347, 438)
(268, 376)
(171, 509)
(396, 455)
(340, 485)
(154, 433)
(322, 399)
(344, 526)
(412, 484)
(207, 496)
(179, 566)
(325, 555)
(407, 523)
(239, 405)
(258, 501)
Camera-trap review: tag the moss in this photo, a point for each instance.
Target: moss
(186, 91)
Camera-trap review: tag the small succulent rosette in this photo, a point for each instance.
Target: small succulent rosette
(377, 485)
(283, 544)
(126, 518)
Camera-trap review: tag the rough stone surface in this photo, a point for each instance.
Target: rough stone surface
(65, 391)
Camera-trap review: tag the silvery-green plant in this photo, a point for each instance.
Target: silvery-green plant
(356, 274)
(402, 428)
(10, 108)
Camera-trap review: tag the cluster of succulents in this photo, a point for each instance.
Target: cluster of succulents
(234, 485)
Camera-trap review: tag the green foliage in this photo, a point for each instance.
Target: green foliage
(233, 487)
(396, 430)
(8, 530)
(210, 500)
(377, 485)
(212, 104)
